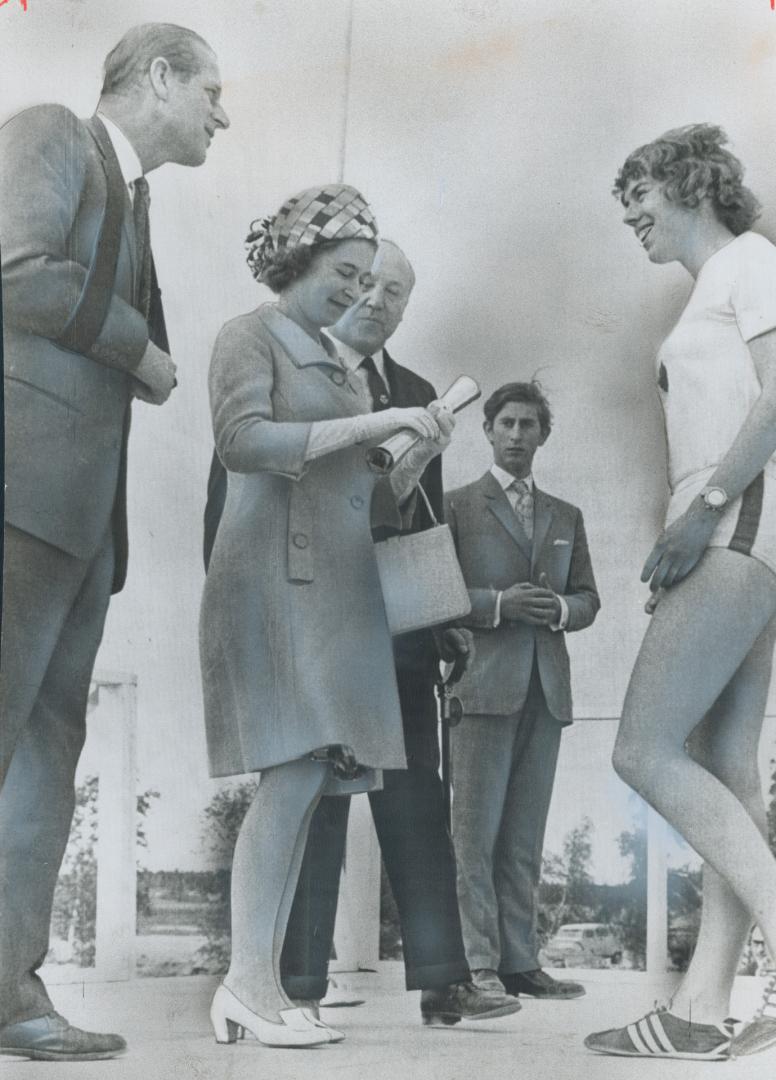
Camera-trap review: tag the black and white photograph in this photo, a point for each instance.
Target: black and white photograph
(389, 556)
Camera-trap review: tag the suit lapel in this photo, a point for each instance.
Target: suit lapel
(542, 520)
(105, 146)
(498, 504)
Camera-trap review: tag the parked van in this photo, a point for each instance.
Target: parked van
(582, 944)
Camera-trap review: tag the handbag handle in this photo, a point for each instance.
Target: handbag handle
(427, 501)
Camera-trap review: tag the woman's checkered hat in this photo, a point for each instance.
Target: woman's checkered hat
(333, 212)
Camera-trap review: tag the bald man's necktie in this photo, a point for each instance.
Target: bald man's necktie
(381, 399)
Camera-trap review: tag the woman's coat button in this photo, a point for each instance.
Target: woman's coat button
(356, 502)
(299, 540)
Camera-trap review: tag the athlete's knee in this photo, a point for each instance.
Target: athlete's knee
(632, 761)
(734, 766)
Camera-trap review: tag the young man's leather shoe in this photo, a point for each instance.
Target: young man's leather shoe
(487, 979)
(52, 1038)
(539, 984)
(464, 1001)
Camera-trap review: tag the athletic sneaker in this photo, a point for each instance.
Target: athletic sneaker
(760, 1033)
(660, 1034)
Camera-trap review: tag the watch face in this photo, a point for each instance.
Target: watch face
(715, 498)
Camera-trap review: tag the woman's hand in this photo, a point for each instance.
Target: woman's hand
(654, 599)
(680, 547)
(379, 425)
(445, 421)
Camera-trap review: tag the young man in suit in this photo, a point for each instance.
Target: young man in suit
(409, 811)
(525, 559)
(82, 337)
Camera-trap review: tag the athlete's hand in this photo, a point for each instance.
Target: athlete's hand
(679, 547)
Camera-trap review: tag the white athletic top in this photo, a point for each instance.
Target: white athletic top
(705, 361)
(708, 383)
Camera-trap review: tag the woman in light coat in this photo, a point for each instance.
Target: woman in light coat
(295, 649)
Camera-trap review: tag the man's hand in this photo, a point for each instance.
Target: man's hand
(455, 642)
(537, 605)
(455, 646)
(155, 375)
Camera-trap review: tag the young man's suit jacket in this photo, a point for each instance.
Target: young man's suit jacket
(495, 553)
(67, 414)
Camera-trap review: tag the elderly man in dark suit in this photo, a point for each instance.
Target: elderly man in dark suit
(83, 334)
(409, 811)
(525, 559)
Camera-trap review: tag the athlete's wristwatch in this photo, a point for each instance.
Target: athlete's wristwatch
(714, 498)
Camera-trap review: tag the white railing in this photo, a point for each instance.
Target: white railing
(110, 754)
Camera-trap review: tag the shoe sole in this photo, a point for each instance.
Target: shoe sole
(448, 1019)
(53, 1055)
(441, 1019)
(742, 1050)
(679, 1055)
(551, 997)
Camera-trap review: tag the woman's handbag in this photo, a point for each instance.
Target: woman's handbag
(421, 578)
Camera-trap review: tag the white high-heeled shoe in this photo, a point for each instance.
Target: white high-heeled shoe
(297, 1027)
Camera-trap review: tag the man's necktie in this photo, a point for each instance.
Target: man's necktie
(381, 399)
(140, 207)
(523, 505)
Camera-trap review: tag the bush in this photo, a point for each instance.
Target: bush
(223, 818)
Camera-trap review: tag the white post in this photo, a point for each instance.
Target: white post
(112, 724)
(657, 893)
(357, 930)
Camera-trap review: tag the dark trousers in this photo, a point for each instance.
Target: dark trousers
(54, 608)
(418, 855)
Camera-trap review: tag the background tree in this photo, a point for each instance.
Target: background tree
(74, 914)
(222, 817)
(633, 915)
(566, 890)
(143, 906)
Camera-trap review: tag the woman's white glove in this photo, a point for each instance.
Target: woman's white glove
(379, 425)
(445, 422)
(426, 450)
(329, 435)
(409, 468)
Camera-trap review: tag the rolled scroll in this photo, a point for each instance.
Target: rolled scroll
(381, 459)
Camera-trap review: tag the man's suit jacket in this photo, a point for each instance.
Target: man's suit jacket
(67, 414)
(415, 653)
(495, 553)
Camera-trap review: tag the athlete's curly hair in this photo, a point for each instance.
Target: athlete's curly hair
(692, 162)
